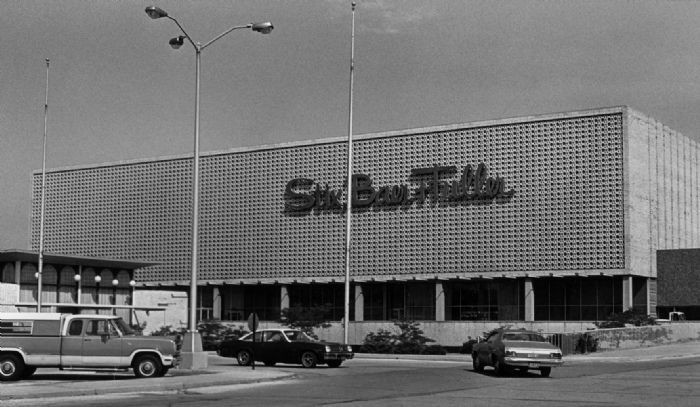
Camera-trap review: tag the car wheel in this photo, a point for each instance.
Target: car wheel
(334, 363)
(269, 363)
(545, 371)
(11, 368)
(499, 366)
(28, 372)
(147, 366)
(476, 363)
(308, 359)
(244, 358)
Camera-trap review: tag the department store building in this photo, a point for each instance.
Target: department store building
(554, 217)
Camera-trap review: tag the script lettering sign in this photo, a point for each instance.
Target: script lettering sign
(474, 184)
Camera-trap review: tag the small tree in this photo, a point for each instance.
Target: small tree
(307, 319)
(411, 338)
(382, 341)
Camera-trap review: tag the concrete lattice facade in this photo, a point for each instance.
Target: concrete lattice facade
(595, 193)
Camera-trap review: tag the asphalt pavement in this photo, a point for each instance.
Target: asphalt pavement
(224, 371)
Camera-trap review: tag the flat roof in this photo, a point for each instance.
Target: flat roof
(623, 109)
(53, 258)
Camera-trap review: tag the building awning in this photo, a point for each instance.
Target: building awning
(89, 306)
(12, 255)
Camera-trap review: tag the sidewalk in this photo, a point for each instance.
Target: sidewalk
(57, 383)
(225, 371)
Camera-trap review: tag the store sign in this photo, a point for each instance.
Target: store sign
(475, 184)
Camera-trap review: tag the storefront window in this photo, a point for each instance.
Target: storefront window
(331, 296)
(576, 299)
(374, 301)
(205, 303)
(399, 301)
(484, 300)
(264, 300)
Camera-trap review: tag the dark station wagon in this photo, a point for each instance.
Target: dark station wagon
(285, 346)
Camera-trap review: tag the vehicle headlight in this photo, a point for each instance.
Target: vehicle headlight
(555, 355)
(328, 349)
(510, 352)
(349, 348)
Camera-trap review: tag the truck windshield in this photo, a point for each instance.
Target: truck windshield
(124, 327)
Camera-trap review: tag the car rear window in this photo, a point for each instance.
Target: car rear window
(523, 336)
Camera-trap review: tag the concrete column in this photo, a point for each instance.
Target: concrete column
(18, 269)
(627, 293)
(79, 288)
(439, 301)
(216, 295)
(529, 300)
(650, 311)
(359, 303)
(284, 296)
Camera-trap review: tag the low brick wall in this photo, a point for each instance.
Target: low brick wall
(638, 337)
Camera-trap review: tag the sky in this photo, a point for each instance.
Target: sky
(118, 91)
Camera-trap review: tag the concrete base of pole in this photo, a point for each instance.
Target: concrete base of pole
(193, 358)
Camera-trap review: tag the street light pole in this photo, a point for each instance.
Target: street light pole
(40, 268)
(177, 42)
(348, 213)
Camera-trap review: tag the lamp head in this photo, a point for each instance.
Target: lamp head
(155, 12)
(177, 41)
(263, 28)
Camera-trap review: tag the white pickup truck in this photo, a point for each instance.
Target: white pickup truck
(31, 340)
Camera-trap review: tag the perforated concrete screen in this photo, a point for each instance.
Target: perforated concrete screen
(566, 213)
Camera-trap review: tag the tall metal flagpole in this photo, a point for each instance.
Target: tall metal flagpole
(43, 195)
(346, 317)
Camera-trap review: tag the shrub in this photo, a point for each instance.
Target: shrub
(380, 342)
(434, 350)
(586, 343)
(410, 339)
(632, 317)
(212, 332)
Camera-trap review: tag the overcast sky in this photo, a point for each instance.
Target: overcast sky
(117, 91)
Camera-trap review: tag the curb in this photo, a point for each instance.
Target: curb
(167, 385)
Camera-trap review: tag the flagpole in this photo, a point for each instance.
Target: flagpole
(346, 318)
(43, 195)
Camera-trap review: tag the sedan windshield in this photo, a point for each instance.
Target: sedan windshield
(523, 336)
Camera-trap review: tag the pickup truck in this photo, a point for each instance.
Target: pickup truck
(31, 340)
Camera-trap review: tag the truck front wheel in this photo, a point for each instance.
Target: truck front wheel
(11, 368)
(147, 366)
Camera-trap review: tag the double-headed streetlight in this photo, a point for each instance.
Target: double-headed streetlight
(263, 28)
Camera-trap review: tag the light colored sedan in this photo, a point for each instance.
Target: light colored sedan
(508, 349)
